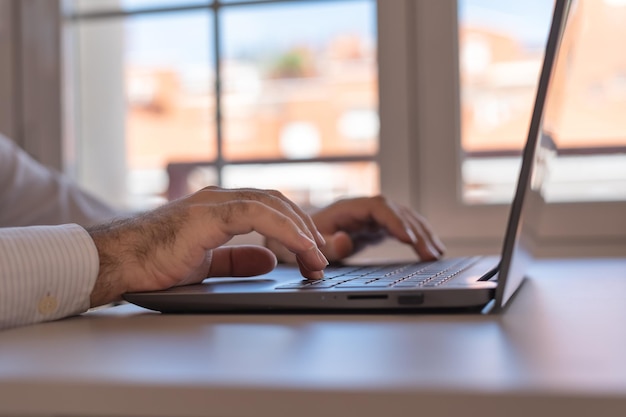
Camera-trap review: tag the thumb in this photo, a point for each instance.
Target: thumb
(338, 246)
(241, 261)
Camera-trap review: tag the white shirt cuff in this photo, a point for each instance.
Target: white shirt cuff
(46, 273)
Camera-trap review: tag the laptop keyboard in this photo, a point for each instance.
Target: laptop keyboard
(411, 275)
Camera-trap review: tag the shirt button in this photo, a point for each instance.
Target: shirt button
(47, 305)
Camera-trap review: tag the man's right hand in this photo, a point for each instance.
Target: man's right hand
(181, 242)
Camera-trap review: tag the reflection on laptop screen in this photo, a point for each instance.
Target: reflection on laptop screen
(529, 197)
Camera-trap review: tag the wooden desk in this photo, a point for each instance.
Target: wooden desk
(560, 348)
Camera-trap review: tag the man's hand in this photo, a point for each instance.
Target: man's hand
(349, 225)
(181, 242)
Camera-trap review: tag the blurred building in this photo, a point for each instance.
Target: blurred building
(499, 76)
(305, 104)
(322, 101)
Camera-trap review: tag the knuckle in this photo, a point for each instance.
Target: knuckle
(275, 193)
(205, 193)
(211, 188)
(242, 207)
(277, 200)
(380, 200)
(253, 194)
(243, 195)
(232, 211)
(276, 197)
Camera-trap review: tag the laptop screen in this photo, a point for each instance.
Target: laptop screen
(529, 197)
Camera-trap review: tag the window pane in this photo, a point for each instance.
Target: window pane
(145, 100)
(309, 184)
(586, 106)
(501, 46)
(300, 81)
(501, 49)
(185, 178)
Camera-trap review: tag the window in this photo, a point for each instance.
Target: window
(501, 48)
(467, 85)
(173, 96)
(393, 99)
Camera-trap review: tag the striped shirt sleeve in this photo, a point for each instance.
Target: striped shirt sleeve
(46, 273)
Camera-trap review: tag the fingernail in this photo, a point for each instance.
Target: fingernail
(434, 251)
(440, 246)
(317, 275)
(411, 234)
(321, 257)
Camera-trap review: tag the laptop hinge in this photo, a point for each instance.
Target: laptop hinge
(491, 274)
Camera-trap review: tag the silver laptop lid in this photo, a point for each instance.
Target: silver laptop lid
(529, 200)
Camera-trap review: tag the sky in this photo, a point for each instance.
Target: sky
(184, 39)
(527, 20)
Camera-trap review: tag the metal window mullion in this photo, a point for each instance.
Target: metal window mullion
(107, 14)
(217, 50)
(122, 14)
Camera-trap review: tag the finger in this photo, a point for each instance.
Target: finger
(242, 217)
(306, 272)
(423, 245)
(355, 215)
(282, 253)
(273, 199)
(302, 215)
(338, 246)
(415, 219)
(285, 256)
(392, 217)
(241, 261)
(388, 215)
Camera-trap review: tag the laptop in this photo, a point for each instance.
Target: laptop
(477, 284)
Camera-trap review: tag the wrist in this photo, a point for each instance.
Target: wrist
(109, 285)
